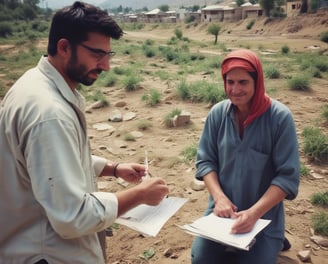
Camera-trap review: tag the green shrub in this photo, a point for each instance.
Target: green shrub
(129, 137)
(110, 79)
(272, 72)
(304, 171)
(320, 199)
(200, 91)
(98, 96)
(2, 90)
(144, 125)
(178, 33)
(324, 37)
(299, 82)
(149, 52)
(131, 82)
(284, 49)
(189, 153)
(6, 29)
(250, 24)
(320, 223)
(183, 90)
(324, 112)
(152, 98)
(315, 144)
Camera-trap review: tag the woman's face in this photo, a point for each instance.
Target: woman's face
(240, 87)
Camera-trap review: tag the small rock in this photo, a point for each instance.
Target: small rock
(197, 185)
(103, 126)
(168, 252)
(129, 116)
(96, 105)
(120, 104)
(304, 255)
(320, 241)
(115, 116)
(182, 119)
(317, 176)
(137, 134)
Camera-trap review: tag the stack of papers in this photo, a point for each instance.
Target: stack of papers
(218, 229)
(148, 220)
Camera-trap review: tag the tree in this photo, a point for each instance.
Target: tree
(267, 6)
(195, 8)
(304, 7)
(214, 29)
(164, 8)
(240, 2)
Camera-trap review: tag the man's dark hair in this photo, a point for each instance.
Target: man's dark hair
(75, 22)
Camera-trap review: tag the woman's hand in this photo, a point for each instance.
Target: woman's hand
(245, 221)
(224, 207)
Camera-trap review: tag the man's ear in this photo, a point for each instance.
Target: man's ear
(63, 48)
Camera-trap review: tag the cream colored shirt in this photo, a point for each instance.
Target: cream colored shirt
(49, 204)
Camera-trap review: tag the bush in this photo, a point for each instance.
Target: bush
(131, 82)
(110, 79)
(320, 199)
(250, 25)
(324, 37)
(200, 91)
(144, 125)
(315, 144)
(304, 171)
(320, 223)
(149, 52)
(190, 152)
(300, 82)
(178, 33)
(325, 112)
(284, 49)
(5, 29)
(152, 98)
(272, 72)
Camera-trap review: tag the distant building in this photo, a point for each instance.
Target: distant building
(217, 13)
(192, 16)
(251, 11)
(154, 16)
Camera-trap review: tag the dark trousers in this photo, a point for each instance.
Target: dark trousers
(42, 261)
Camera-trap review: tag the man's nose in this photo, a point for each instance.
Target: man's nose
(104, 64)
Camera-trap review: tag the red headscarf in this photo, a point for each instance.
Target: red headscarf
(249, 61)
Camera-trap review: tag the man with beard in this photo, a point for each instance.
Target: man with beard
(50, 209)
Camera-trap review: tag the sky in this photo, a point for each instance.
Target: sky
(55, 4)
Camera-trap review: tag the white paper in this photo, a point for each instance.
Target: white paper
(149, 220)
(218, 229)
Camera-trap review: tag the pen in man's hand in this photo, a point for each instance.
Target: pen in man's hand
(146, 166)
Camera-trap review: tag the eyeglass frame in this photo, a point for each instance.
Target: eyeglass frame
(98, 52)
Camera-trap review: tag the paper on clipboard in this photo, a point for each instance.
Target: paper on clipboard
(149, 220)
(218, 229)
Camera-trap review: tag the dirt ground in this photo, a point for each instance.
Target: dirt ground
(164, 145)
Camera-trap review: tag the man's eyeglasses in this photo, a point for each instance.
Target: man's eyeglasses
(99, 53)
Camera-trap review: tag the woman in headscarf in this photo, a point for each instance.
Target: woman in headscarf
(248, 158)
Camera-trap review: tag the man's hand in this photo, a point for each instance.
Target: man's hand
(131, 172)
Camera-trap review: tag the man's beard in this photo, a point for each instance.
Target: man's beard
(78, 72)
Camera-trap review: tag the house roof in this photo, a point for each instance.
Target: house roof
(213, 7)
(217, 7)
(247, 4)
(154, 12)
